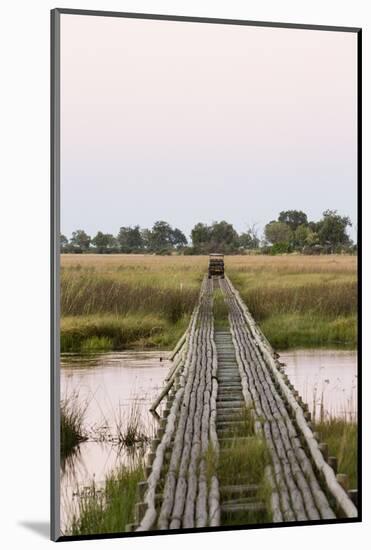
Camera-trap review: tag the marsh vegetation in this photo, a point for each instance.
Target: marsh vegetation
(241, 471)
(341, 436)
(145, 302)
(138, 301)
(108, 510)
(220, 310)
(121, 302)
(115, 390)
(300, 301)
(72, 412)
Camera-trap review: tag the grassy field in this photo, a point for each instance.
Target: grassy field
(123, 301)
(300, 301)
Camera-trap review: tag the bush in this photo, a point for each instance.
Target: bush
(190, 251)
(280, 248)
(103, 332)
(163, 252)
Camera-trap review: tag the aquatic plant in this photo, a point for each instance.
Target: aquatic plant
(341, 436)
(111, 509)
(129, 428)
(72, 412)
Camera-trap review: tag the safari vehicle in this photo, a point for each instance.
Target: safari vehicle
(216, 266)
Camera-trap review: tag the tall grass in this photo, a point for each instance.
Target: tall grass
(333, 265)
(110, 510)
(103, 332)
(300, 301)
(129, 429)
(126, 301)
(327, 299)
(242, 460)
(97, 293)
(341, 438)
(244, 426)
(120, 301)
(71, 425)
(220, 310)
(305, 331)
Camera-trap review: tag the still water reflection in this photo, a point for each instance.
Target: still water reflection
(111, 386)
(326, 380)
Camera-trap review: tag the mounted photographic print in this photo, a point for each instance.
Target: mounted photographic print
(205, 238)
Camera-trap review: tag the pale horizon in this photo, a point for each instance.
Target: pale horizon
(189, 122)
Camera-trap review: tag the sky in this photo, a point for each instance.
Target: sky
(188, 122)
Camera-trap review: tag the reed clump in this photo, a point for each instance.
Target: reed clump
(129, 428)
(109, 510)
(341, 436)
(242, 460)
(72, 413)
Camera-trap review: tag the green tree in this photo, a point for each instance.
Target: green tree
(332, 229)
(301, 235)
(178, 239)
(80, 241)
(218, 237)
(146, 238)
(63, 241)
(130, 239)
(312, 238)
(312, 226)
(200, 235)
(249, 239)
(293, 218)
(161, 236)
(104, 242)
(278, 232)
(223, 237)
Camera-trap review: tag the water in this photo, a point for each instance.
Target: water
(326, 380)
(111, 384)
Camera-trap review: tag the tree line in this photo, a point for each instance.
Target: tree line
(290, 232)
(293, 232)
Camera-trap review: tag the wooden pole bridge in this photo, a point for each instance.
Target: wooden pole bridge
(216, 376)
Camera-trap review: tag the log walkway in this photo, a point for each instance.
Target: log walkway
(226, 394)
